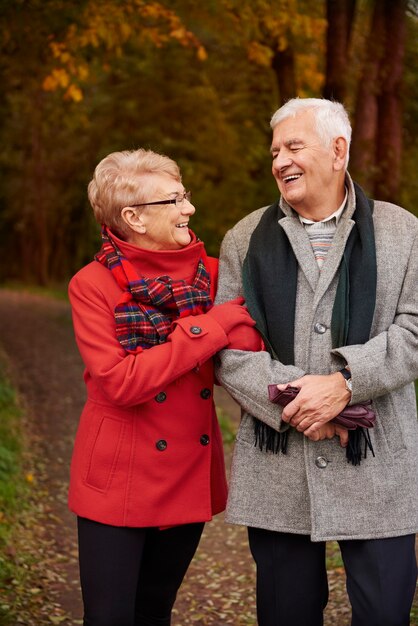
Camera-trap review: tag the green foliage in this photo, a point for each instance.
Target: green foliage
(227, 427)
(13, 488)
(333, 555)
(59, 292)
(10, 447)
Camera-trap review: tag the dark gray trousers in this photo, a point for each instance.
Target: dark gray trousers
(292, 587)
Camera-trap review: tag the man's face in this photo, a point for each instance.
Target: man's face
(306, 171)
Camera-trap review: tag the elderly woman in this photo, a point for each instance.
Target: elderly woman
(147, 469)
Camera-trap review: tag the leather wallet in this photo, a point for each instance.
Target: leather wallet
(356, 416)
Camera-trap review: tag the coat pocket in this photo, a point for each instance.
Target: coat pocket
(390, 422)
(246, 429)
(104, 453)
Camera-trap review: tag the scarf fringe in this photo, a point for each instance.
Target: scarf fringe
(354, 449)
(268, 439)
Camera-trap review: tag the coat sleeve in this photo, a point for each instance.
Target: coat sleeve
(389, 360)
(244, 374)
(129, 379)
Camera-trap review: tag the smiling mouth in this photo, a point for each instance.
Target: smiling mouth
(291, 178)
(182, 225)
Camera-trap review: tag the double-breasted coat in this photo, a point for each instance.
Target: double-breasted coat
(312, 489)
(148, 450)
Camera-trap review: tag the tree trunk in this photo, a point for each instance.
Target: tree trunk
(36, 236)
(340, 14)
(362, 160)
(377, 136)
(389, 137)
(283, 63)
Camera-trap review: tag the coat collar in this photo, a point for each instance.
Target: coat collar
(178, 264)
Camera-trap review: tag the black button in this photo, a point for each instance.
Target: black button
(205, 394)
(204, 440)
(196, 330)
(160, 397)
(161, 445)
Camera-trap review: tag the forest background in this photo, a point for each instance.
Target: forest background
(199, 82)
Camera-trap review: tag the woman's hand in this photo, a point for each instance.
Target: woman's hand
(231, 314)
(329, 431)
(238, 325)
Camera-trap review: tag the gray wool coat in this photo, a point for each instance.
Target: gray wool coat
(330, 498)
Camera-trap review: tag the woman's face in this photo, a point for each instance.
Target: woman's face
(165, 226)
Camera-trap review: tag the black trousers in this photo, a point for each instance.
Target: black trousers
(292, 586)
(130, 576)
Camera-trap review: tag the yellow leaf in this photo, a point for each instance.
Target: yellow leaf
(60, 77)
(282, 43)
(152, 10)
(74, 93)
(83, 72)
(259, 54)
(49, 84)
(202, 55)
(178, 33)
(125, 30)
(57, 48)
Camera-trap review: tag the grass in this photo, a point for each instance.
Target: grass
(228, 429)
(334, 559)
(29, 563)
(14, 487)
(58, 292)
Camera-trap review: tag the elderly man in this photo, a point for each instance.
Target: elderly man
(331, 279)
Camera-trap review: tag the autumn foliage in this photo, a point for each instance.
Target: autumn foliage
(199, 82)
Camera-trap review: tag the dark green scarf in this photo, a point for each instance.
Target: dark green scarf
(270, 280)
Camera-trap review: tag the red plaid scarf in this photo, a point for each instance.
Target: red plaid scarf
(147, 308)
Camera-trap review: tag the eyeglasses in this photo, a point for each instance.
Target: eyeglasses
(178, 200)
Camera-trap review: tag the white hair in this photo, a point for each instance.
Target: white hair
(331, 118)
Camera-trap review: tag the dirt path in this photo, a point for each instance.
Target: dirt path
(45, 366)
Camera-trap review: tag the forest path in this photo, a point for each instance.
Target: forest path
(46, 368)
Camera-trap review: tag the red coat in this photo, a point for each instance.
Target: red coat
(148, 450)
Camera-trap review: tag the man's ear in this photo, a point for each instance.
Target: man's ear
(133, 219)
(340, 152)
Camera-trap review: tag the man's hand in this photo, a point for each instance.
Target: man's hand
(320, 399)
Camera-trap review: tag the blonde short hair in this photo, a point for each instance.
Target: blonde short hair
(125, 178)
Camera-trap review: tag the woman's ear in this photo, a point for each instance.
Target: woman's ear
(133, 219)
(340, 153)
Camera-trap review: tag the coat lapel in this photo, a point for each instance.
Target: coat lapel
(302, 249)
(319, 280)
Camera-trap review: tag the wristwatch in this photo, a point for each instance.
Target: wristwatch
(347, 376)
